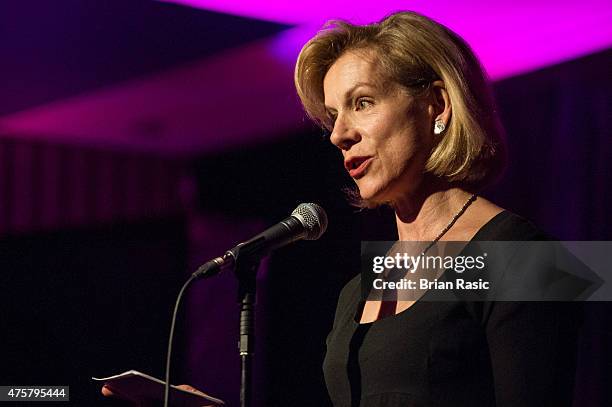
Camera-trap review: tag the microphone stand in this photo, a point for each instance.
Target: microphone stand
(245, 269)
(307, 221)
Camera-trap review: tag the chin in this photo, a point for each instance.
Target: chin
(366, 191)
(372, 195)
(382, 191)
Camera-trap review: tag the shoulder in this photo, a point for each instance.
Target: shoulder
(348, 301)
(350, 293)
(510, 226)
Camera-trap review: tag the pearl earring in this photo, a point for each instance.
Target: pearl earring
(439, 127)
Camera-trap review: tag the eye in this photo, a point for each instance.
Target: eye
(363, 103)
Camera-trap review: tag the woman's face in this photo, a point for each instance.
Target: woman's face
(385, 135)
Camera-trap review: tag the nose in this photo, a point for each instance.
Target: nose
(344, 135)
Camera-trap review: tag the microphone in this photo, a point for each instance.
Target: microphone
(308, 222)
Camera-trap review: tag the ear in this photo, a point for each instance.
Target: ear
(440, 108)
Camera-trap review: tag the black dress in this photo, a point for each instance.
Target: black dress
(455, 353)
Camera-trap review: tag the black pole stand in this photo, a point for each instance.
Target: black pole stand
(246, 271)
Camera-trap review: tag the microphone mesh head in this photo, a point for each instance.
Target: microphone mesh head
(314, 219)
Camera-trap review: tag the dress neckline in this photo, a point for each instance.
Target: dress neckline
(482, 232)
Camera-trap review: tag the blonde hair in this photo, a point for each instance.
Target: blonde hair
(413, 51)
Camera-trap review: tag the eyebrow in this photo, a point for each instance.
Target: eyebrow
(350, 91)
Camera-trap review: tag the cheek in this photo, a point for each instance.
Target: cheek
(401, 137)
(406, 150)
(424, 128)
(403, 159)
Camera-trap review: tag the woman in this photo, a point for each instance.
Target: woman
(407, 103)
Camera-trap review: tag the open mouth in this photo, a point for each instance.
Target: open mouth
(356, 163)
(356, 166)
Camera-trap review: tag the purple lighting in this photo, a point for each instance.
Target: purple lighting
(191, 108)
(509, 37)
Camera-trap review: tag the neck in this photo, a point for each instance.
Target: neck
(423, 215)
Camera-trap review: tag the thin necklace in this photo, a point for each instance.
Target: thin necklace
(451, 223)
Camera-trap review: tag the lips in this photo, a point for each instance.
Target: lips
(356, 166)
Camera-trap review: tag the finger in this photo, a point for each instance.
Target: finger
(106, 392)
(187, 387)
